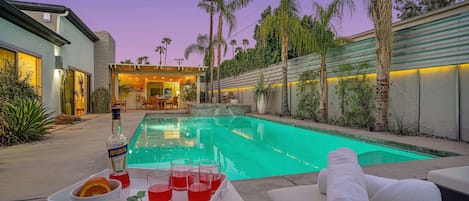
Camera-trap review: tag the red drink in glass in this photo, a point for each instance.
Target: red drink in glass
(179, 181)
(216, 181)
(199, 192)
(123, 178)
(160, 192)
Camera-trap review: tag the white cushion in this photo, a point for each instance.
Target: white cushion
(297, 193)
(453, 178)
(408, 190)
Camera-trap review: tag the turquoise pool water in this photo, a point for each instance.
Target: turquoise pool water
(247, 147)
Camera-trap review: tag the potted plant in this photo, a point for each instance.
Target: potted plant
(261, 93)
(189, 93)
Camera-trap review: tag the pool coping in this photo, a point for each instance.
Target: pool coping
(339, 131)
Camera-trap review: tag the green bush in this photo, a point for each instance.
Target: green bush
(308, 95)
(22, 117)
(355, 95)
(13, 89)
(100, 100)
(189, 92)
(24, 121)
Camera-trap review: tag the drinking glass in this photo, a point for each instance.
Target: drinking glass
(199, 181)
(179, 171)
(215, 168)
(159, 185)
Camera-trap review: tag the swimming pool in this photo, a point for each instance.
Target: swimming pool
(248, 147)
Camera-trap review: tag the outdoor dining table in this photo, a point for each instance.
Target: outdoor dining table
(138, 182)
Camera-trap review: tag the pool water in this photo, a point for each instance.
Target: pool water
(248, 147)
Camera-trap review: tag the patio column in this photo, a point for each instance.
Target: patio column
(113, 84)
(197, 78)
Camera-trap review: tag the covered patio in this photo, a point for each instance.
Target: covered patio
(144, 86)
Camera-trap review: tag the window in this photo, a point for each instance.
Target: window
(29, 68)
(7, 58)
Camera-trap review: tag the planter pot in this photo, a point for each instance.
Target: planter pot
(261, 104)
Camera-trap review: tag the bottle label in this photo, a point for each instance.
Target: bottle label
(116, 113)
(114, 152)
(117, 157)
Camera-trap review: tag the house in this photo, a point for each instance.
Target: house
(51, 43)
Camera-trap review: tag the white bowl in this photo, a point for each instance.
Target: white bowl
(116, 188)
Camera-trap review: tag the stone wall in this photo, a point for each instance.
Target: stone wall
(214, 109)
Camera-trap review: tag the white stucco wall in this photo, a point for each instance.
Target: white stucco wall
(79, 54)
(12, 36)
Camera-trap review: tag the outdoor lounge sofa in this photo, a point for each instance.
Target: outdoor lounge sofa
(344, 180)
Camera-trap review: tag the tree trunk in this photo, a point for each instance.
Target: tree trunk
(165, 53)
(285, 110)
(323, 90)
(210, 44)
(160, 57)
(220, 29)
(382, 19)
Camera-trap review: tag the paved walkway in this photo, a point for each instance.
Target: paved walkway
(70, 153)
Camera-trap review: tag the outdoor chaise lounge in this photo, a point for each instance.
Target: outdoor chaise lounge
(453, 182)
(344, 180)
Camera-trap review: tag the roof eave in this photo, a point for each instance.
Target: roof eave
(19, 18)
(75, 20)
(72, 17)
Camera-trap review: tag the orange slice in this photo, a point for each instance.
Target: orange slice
(95, 186)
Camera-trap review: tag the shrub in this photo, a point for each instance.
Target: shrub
(308, 95)
(100, 100)
(22, 117)
(355, 95)
(24, 121)
(189, 92)
(12, 89)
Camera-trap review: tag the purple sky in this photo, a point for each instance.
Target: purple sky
(138, 26)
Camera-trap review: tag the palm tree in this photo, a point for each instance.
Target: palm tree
(245, 43)
(200, 47)
(233, 43)
(139, 60)
(285, 24)
(145, 59)
(127, 61)
(209, 9)
(381, 11)
(324, 38)
(160, 49)
(166, 41)
(226, 11)
(238, 50)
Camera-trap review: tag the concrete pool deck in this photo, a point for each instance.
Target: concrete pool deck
(70, 153)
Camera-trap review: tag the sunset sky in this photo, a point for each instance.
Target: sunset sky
(138, 26)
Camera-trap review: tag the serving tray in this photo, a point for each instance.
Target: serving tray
(138, 182)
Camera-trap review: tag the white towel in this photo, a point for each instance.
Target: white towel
(346, 180)
(373, 183)
(409, 190)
